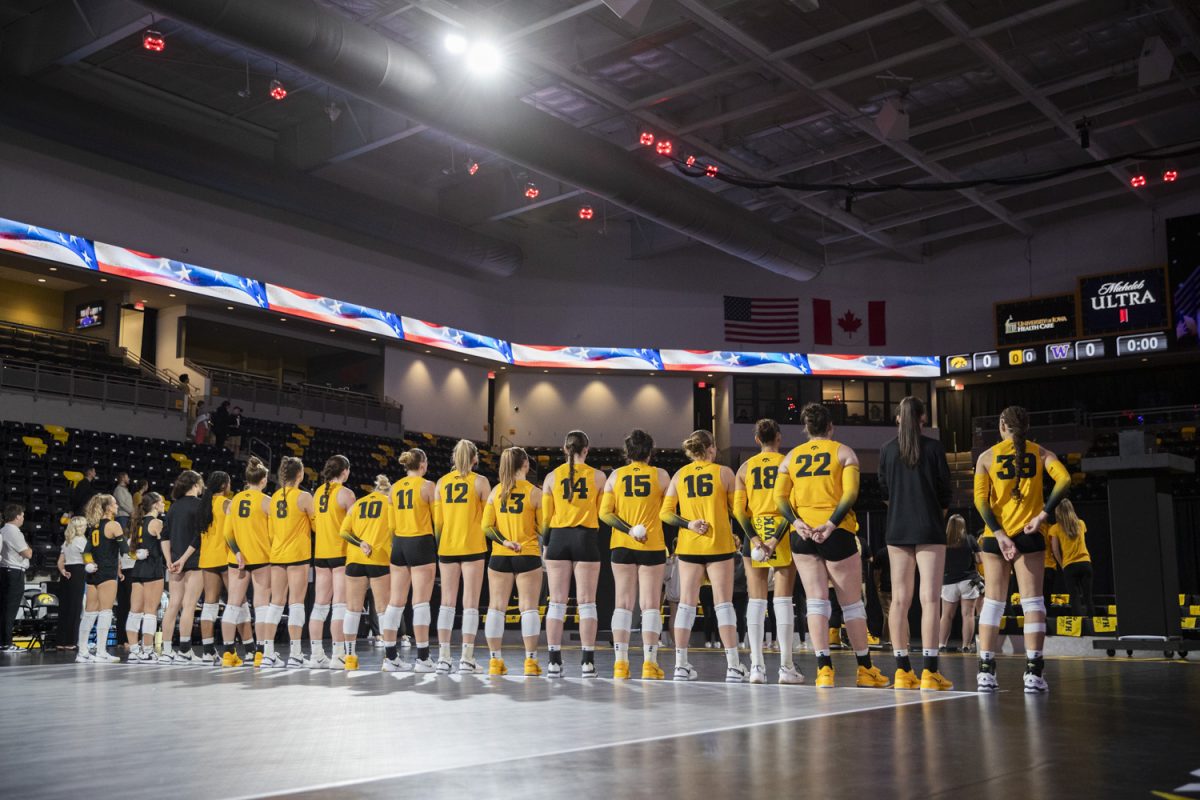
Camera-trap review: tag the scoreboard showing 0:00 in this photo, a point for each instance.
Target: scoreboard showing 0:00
(1138, 344)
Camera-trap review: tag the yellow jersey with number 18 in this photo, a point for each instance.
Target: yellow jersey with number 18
(458, 513)
(701, 496)
(1009, 478)
(413, 515)
(762, 472)
(291, 529)
(370, 519)
(328, 522)
(637, 498)
(576, 502)
(517, 519)
(815, 478)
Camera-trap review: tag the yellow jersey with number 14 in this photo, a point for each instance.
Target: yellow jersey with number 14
(576, 503)
(814, 483)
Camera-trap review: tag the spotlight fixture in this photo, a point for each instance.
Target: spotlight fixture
(472, 168)
(691, 161)
(1137, 181)
(711, 170)
(1169, 176)
(892, 120)
(277, 92)
(333, 111)
(531, 190)
(153, 41)
(646, 139)
(586, 212)
(483, 58)
(455, 44)
(664, 147)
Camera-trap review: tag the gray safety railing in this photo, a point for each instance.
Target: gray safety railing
(78, 384)
(322, 402)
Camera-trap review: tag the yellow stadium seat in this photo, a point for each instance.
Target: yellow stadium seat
(35, 445)
(387, 449)
(1078, 478)
(72, 476)
(58, 432)
(1189, 623)
(1188, 432)
(183, 461)
(1074, 458)
(1060, 599)
(308, 429)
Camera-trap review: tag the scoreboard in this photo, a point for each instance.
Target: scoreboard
(1136, 344)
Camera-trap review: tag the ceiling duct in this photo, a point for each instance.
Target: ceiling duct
(363, 62)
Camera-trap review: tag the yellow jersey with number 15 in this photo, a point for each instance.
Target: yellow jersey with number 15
(702, 496)
(637, 498)
(814, 483)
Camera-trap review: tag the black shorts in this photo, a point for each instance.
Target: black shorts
(413, 551)
(643, 558)
(515, 565)
(218, 570)
(573, 544)
(329, 563)
(303, 563)
(462, 559)
(1025, 542)
(706, 559)
(101, 575)
(144, 578)
(252, 567)
(366, 570)
(840, 545)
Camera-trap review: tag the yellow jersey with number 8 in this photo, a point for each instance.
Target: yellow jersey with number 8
(328, 522)
(815, 477)
(291, 529)
(1007, 478)
(458, 513)
(701, 496)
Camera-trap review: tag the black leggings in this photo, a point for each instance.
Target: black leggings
(1048, 585)
(70, 605)
(1079, 584)
(12, 593)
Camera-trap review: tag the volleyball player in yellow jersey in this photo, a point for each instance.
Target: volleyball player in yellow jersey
(248, 535)
(413, 556)
(368, 528)
(512, 520)
(291, 552)
(458, 503)
(571, 528)
(333, 499)
(630, 506)
(815, 491)
(757, 513)
(1008, 495)
(698, 501)
(214, 556)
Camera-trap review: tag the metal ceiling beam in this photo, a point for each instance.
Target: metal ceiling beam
(721, 26)
(1189, 25)
(64, 32)
(993, 59)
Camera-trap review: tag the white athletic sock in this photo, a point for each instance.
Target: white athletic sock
(444, 653)
(650, 653)
(929, 651)
(207, 641)
(681, 656)
(785, 629)
(268, 648)
(468, 652)
(167, 647)
(103, 623)
(731, 657)
(317, 649)
(756, 622)
(86, 623)
(553, 647)
(622, 651)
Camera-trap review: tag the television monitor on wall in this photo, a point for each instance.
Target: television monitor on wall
(89, 315)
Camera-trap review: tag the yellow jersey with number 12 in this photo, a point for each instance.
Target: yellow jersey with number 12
(458, 513)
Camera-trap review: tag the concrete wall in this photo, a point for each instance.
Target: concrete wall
(438, 395)
(31, 305)
(45, 410)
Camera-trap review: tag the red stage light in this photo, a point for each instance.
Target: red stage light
(153, 41)
(472, 168)
(277, 90)
(1137, 181)
(1169, 176)
(647, 138)
(701, 385)
(532, 191)
(711, 170)
(664, 147)
(691, 161)
(586, 212)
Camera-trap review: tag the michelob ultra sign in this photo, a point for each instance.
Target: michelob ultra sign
(1123, 302)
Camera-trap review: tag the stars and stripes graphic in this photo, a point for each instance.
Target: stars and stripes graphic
(333, 312)
(225, 286)
(875, 366)
(762, 320)
(734, 361)
(446, 338)
(31, 240)
(527, 355)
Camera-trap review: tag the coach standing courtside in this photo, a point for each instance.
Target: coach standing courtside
(14, 560)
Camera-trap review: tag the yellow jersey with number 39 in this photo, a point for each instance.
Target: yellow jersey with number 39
(1007, 477)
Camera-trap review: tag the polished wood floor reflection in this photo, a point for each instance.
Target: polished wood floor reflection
(1110, 728)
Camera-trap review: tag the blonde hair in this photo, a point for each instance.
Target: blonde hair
(1066, 518)
(465, 455)
(94, 511)
(76, 526)
(696, 446)
(956, 528)
(511, 460)
(382, 483)
(412, 459)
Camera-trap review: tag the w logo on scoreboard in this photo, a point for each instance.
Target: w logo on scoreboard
(1058, 351)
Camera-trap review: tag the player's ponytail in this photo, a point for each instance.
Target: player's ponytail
(256, 471)
(956, 528)
(149, 501)
(333, 469)
(767, 432)
(291, 469)
(696, 446)
(816, 418)
(412, 459)
(382, 484)
(466, 455)
(1066, 518)
(574, 445)
(909, 416)
(97, 508)
(1016, 420)
(511, 461)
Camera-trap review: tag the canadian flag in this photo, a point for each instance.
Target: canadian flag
(854, 323)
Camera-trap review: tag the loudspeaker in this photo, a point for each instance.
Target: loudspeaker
(632, 11)
(892, 120)
(1154, 65)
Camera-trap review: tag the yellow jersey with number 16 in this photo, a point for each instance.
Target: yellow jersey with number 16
(702, 496)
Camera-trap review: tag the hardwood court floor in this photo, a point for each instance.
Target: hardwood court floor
(1109, 728)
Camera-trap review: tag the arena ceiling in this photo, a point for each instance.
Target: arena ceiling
(776, 89)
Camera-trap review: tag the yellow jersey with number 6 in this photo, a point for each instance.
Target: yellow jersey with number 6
(702, 496)
(250, 528)
(814, 483)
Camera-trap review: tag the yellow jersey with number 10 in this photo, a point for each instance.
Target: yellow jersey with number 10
(815, 474)
(370, 519)
(328, 522)
(458, 511)
(1006, 474)
(701, 496)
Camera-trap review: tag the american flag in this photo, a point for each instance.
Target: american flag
(762, 320)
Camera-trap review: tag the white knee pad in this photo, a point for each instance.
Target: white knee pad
(1033, 605)
(274, 614)
(588, 611)
(493, 625)
(149, 624)
(208, 612)
(651, 621)
(622, 619)
(320, 612)
(470, 621)
(531, 624)
(854, 611)
(133, 622)
(556, 611)
(245, 616)
(445, 618)
(685, 617)
(1034, 627)
(726, 616)
(350, 624)
(818, 608)
(422, 615)
(785, 612)
(232, 615)
(295, 615)
(392, 617)
(991, 613)
(339, 612)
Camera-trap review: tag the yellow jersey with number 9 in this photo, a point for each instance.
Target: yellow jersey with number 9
(517, 519)
(413, 516)
(250, 528)
(815, 474)
(370, 519)
(328, 522)
(701, 496)
(291, 529)
(1007, 478)
(637, 498)
(458, 512)
(214, 553)
(577, 502)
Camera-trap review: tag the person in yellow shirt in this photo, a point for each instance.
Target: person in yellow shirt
(368, 527)
(698, 501)
(763, 527)
(458, 503)
(291, 552)
(815, 492)
(332, 499)
(571, 526)
(214, 559)
(247, 532)
(1068, 540)
(512, 520)
(414, 552)
(630, 505)
(1008, 495)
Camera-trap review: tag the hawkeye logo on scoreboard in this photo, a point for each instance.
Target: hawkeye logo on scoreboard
(1039, 319)
(1124, 301)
